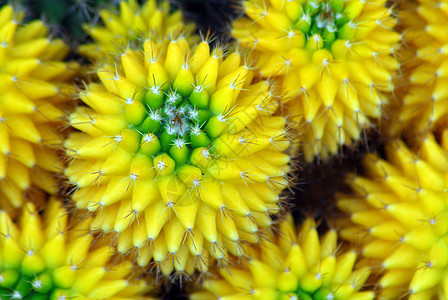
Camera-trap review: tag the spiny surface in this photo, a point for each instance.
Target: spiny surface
(424, 105)
(399, 215)
(130, 26)
(32, 93)
(334, 59)
(293, 266)
(180, 157)
(41, 259)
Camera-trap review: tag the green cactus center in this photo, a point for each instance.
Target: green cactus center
(173, 122)
(15, 284)
(323, 22)
(323, 293)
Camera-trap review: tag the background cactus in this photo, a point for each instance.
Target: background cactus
(423, 95)
(34, 90)
(398, 214)
(334, 59)
(293, 266)
(130, 26)
(41, 259)
(66, 17)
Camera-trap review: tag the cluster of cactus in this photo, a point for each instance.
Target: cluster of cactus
(153, 150)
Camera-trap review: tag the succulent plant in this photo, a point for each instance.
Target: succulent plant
(41, 259)
(425, 65)
(34, 88)
(293, 266)
(334, 59)
(179, 155)
(130, 26)
(398, 217)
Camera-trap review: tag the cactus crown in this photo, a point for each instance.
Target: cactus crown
(323, 293)
(321, 21)
(174, 118)
(20, 285)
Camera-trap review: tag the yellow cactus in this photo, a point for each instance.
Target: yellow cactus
(41, 259)
(32, 94)
(130, 26)
(399, 217)
(425, 56)
(294, 266)
(180, 157)
(334, 59)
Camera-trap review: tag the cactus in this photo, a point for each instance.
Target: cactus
(425, 64)
(130, 26)
(398, 217)
(34, 87)
(334, 59)
(41, 259)
(292, 267)
(179, 156)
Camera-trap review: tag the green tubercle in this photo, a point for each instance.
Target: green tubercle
(322, 293)
(325, 21)
(170, 121)
(19, 284)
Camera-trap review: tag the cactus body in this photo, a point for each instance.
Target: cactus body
(179, 155)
